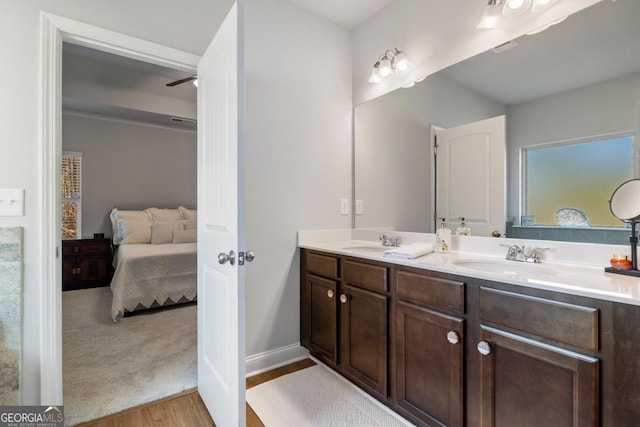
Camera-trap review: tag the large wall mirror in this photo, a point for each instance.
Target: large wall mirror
(575, 84)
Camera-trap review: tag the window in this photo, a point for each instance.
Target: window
(576, 179)
(71, 181)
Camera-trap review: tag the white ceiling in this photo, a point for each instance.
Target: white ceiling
(346, 13)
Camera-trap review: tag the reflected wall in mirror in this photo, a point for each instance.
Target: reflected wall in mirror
(574, 81)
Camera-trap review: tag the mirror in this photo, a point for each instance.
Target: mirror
(625, 201)
(577, 79)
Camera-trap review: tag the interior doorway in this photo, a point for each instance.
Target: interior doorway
(55, 31)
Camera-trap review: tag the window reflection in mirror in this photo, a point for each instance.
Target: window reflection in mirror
(583, 173)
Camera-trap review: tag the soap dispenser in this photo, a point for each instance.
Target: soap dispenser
(443, 237)
(463, 230)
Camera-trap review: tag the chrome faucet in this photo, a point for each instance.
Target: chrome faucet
(517, 253)
(390, 241)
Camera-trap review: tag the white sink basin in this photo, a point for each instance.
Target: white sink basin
(366, 248)
(508, 268)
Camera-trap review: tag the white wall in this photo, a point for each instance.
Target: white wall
(298, 154)
(130, 166)
(434, 35)
(189, 27)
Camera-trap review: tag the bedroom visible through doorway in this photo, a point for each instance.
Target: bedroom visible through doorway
(138, 142)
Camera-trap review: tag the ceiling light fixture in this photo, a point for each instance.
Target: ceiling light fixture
(387, 64)
(496, 9)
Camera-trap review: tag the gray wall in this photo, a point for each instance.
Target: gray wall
(298, 155)
(129, 166)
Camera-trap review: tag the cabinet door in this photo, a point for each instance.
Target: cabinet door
(323, 332)
(528, 383)
(94, 271)
(364, 338)
(429, 365)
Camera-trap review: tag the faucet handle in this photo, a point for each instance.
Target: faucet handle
(535, 253)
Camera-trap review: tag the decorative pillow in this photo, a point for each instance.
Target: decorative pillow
(157, 214)
(185, 236)
(188, 213)
(161, 231)
(117, 214)
(134, 231)
(190, 224)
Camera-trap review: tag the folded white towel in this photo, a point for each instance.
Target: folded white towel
(414, 250)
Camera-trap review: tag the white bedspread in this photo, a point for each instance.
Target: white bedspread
(148, 273)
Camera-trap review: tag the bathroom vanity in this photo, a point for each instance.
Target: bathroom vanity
(445, 342)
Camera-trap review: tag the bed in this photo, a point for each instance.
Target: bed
(155, 259)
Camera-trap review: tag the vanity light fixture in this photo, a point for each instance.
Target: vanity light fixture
(387, 64)
(496, 9)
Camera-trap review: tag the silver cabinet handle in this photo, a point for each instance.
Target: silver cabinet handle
(249, 256)
(344, 298)
(223, 258)
(484, 348)
(330, 293)
(453, 337)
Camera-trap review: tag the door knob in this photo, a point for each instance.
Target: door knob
(249, 256)
(344, 298)
(453, 337)
(330, 293)
(484, 348)
(223, 258)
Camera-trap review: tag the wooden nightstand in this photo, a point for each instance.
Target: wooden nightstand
(86, 263)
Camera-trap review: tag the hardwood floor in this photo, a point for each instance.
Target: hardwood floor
(186, 409)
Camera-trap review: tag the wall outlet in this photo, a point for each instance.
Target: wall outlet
(344, 206)
(11, 202)
(359, 207)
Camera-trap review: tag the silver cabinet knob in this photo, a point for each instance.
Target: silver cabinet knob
(344, 298)
(249, 256)
(223, 258)
(453, 337)
(484, 348)
(330, 293)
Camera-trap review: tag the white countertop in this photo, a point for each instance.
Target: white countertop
(570, 278)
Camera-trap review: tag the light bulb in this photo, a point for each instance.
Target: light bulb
(374, 77)
(401, 61)
(195, 82)
(385, 68)
(515, 7)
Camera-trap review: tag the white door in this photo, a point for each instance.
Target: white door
(221, 296)
(471, 176)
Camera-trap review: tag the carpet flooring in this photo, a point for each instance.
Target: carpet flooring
(316, 397)
(109, 367)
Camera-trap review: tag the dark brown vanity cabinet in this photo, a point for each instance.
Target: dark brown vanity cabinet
(364, 334)
(429, 349)
(319, 309)
(447, 350)
(344, 318)
(525, 378)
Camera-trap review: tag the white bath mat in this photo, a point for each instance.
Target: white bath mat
(316, 397)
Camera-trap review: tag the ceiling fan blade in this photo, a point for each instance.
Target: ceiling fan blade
(186, 79)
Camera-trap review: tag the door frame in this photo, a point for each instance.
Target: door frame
(54, 30)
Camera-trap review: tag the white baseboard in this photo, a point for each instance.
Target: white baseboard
(262, 362)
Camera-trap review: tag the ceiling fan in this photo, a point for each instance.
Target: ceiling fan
(193, 78)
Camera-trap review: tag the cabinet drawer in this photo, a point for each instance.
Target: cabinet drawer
(431, 291)
(367, 276)
(558, 321)
(322, 265)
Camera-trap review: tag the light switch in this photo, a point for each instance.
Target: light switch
(12, 202)
(359, 207)
(344, 206)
